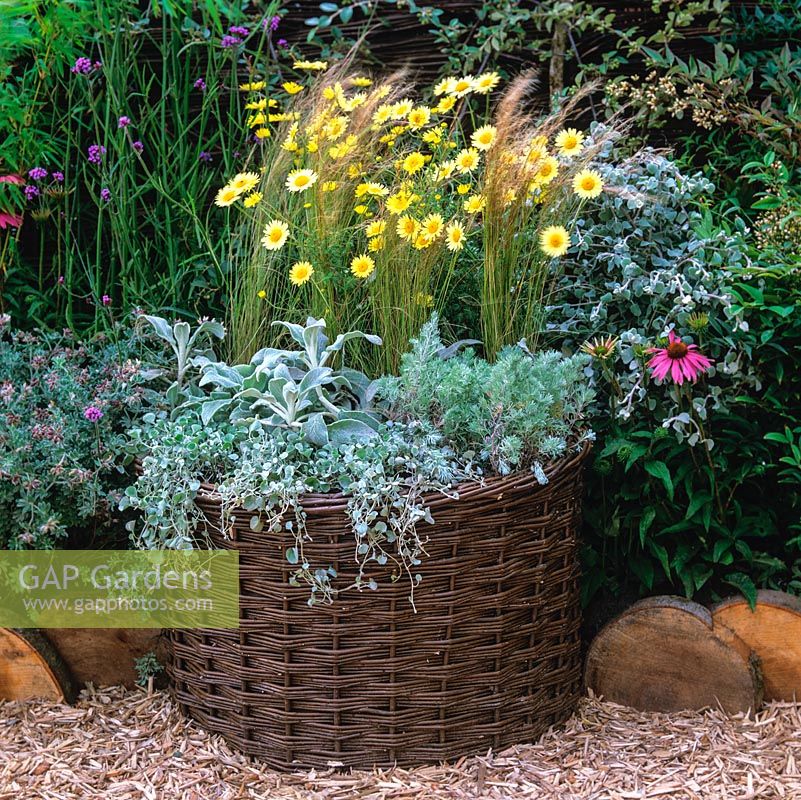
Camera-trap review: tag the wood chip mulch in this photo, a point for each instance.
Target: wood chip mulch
(125, 744)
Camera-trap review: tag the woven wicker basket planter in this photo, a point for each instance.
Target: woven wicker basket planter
(491, 657)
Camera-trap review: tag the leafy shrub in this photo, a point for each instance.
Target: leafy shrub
(677, 484)
(65, 407)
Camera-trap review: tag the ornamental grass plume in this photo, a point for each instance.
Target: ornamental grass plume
(678, 361)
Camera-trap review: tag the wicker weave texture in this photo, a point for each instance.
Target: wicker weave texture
(490, 658)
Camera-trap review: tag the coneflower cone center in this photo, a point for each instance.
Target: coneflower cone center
(677, 350)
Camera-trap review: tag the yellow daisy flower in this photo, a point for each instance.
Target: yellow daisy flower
(475, 204)
(375, 228)
(256, 105)
(398, 202)
(275, 235)
(455, 236)
(360, 81)
(330, 186)
(433, 225)
(227, 196)
(262, 133)
(444, 171)
(432, 137)
(547, 170)
(554, 241)
(463, 188)
(445, 104)
(256, 120)
(290, 87)
(254, 198)
(300, 273)
(467, 160)
(445, 86)
(262, 294)
(485, 83)
(407, 227)
(252, 87)
(300, 179)
(422, 241)
(588, 184)
(484, 137)
(462, 86)
(360, 210)
(312, 66)
(383, 114)
(569, 142)
(335, 127)
(244, 181)
(375, 244)
(414, 162)
(418, 117)
(362, 266)
(402, 108)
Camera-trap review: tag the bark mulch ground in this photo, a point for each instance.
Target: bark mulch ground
(125, 744)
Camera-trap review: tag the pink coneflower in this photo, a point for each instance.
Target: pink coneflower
(678, 360)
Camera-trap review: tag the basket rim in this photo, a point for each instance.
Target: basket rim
(494, 487)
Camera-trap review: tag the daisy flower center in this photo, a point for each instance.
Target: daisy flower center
(677, 350)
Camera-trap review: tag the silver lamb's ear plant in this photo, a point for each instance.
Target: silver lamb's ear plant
(294, 389)
(186, 345)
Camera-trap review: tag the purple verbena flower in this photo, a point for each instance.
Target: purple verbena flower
(105, 300)
(230, 41)
(82, 66)
(31, 192)
(238, 30)
(105, 196)
(205, 157)
(93, 414)
(138, 146)
(58, 177)
(97, 65)
(123, 121)
(200, 84)
(37, 173)
(282, 43)
(275, 22)
(95, 153)
(61, 280)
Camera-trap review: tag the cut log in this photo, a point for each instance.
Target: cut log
(662, 654)
(773, 631)
(31, 668)
(104, 656)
